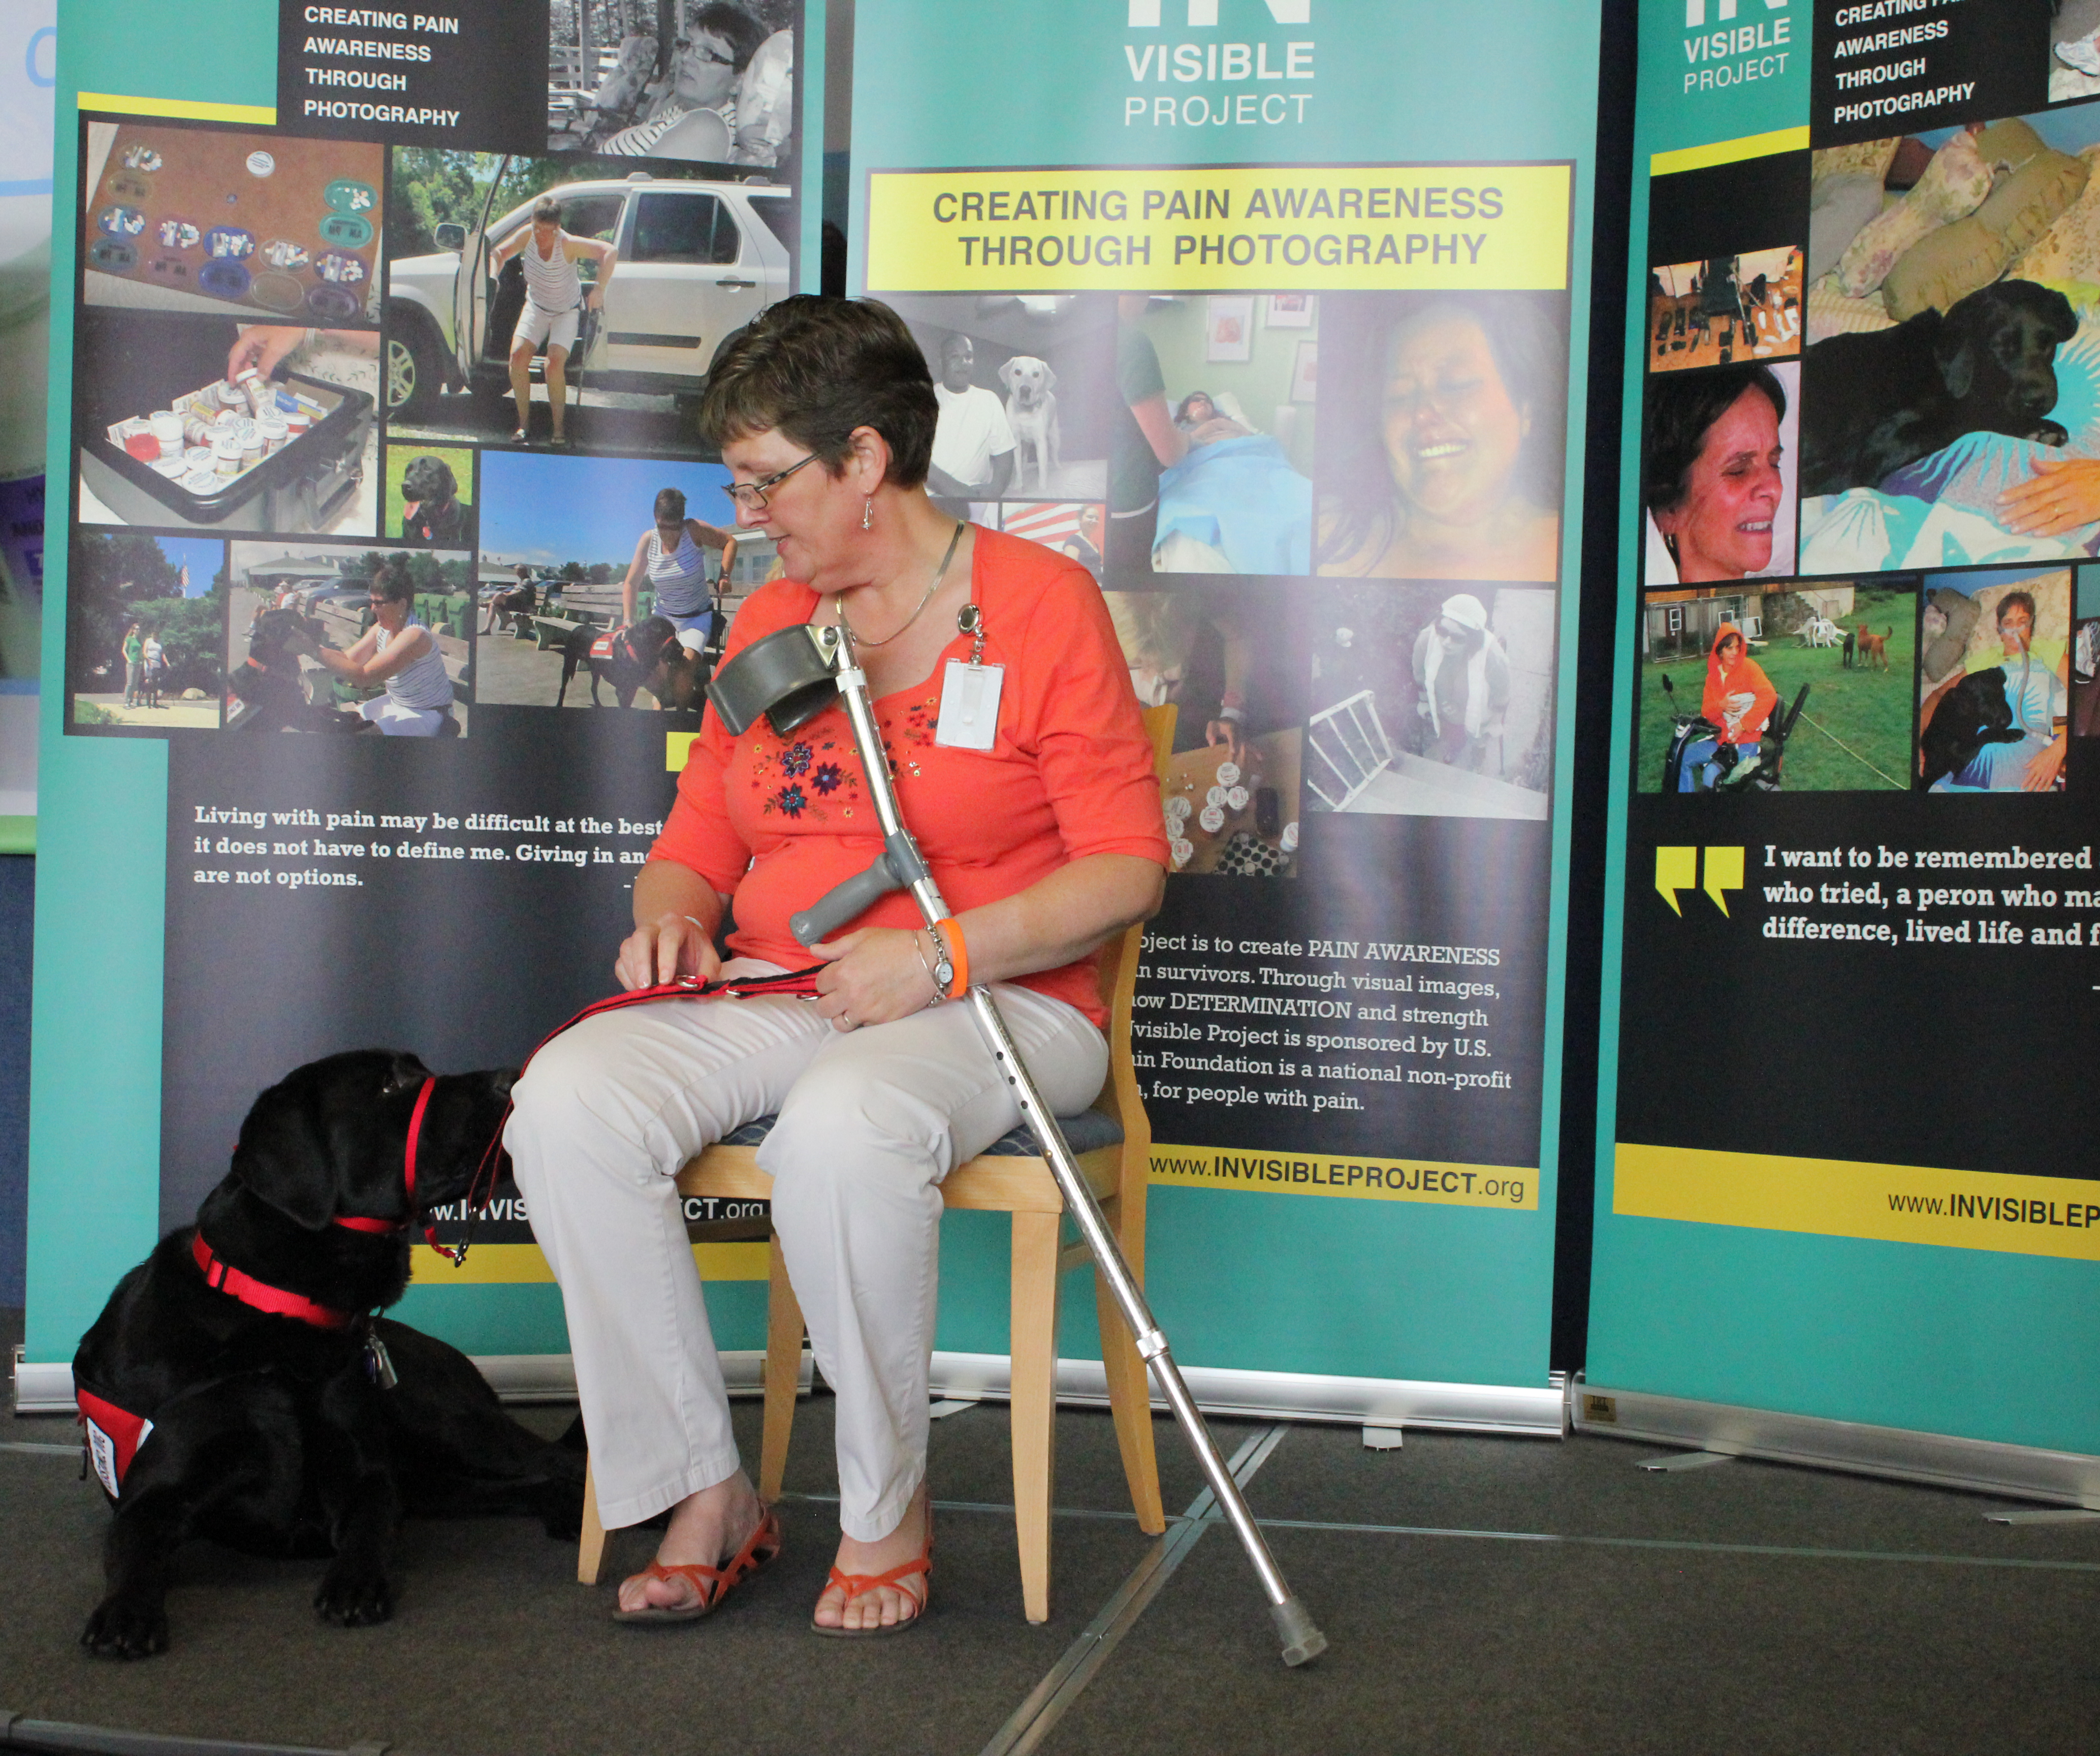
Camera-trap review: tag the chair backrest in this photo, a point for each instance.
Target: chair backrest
(1117, 972)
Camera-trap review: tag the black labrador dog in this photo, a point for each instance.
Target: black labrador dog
(431, 512)
(237, 1388)
(1873, 403)
(1973, 713)
(648, 656)
(267, 683)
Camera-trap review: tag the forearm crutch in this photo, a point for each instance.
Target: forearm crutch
(791, 677)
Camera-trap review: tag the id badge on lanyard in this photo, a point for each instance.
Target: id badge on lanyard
(969, 693)
(969, 705)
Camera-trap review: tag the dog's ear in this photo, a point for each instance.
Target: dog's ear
(283, 1156)
(2062, 319)
(1049, 376)
(1954, 353)
(1008, 373)
(313, 1137)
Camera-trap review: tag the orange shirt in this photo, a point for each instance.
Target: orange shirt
(777, 823)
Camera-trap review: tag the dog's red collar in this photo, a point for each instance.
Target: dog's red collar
(230, 1281)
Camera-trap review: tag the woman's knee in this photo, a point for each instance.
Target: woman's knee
(569, 1092)
(842, 1127)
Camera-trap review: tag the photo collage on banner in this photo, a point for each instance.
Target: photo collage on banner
(1299, 399)
(1864, 777)
(376, 410)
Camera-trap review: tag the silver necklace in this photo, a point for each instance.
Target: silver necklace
(932, 586)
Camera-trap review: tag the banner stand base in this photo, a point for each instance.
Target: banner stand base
(1937, 1460)
(1512, 1410)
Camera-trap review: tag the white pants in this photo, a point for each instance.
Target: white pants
(870, 1121)
(557, 329)
(398, 721)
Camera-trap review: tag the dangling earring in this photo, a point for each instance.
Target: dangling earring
(867, 515)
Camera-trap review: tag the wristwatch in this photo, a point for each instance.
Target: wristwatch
(944, 966)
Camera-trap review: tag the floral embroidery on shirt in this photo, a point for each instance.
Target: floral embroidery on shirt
(799, 780)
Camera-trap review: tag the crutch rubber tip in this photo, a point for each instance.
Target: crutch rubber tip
(1302, 1642)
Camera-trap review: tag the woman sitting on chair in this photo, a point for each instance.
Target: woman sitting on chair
(1044, 834)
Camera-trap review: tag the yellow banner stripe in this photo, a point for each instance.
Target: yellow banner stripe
(1728, 151)
(1838, 1198)
(184, 109)
(1360, 1179)
(1304, 228)
(519, 1265)
(677, 746)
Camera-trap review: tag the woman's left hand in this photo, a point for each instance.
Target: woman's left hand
(871, 976)
(2062, 494)
(2044, 767)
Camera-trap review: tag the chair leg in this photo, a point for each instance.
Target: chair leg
(1130, 1401)
(784, 1372)
(1033, 1340)
(590, 1552)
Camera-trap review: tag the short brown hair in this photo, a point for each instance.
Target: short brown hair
(547, 208)
(817, 368)
(391, 581)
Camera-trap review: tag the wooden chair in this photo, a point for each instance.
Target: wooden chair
(1113, 1142)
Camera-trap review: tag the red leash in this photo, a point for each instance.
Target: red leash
(279, 1302)
(800, 983)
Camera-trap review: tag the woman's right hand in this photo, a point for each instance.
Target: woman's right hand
(671, 948)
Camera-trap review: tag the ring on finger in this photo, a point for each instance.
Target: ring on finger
(845, 1019)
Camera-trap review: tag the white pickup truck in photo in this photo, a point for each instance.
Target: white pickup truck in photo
(698, 261)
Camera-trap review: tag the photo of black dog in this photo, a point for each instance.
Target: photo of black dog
(648, 656)
(430, 508)
(237, 1388)
(267, 692)
(1873, 403)
(1973, 713)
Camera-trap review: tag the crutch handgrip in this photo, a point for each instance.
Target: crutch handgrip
(899, 864)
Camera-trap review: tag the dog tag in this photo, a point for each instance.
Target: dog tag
(379, 1365)
(969, 706)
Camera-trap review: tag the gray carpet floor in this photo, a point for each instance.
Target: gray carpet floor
(1523, 1596)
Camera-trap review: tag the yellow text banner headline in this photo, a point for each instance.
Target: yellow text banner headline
(1447, 1185)
(1296, 227)
(521, 1264)
(1839, 1197)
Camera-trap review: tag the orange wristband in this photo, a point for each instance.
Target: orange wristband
(959, 955)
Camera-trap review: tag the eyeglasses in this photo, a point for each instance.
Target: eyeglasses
(687, 46)
(751, 496)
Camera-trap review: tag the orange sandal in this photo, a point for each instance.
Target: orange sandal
(712, 1583)
(858, 1584)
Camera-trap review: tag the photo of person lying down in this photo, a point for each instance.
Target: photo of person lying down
(1951, 388)
(1213, 439)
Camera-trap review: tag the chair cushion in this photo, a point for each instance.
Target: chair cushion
(1087, 1132)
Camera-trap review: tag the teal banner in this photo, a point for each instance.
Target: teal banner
(227, 877)
(1266, 313)
(1852, 794)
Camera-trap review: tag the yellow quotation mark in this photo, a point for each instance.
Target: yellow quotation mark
(1677, 869)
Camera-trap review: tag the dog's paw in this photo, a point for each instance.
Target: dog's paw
(124, 1627)
(2049, 433)
(355, 1598)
